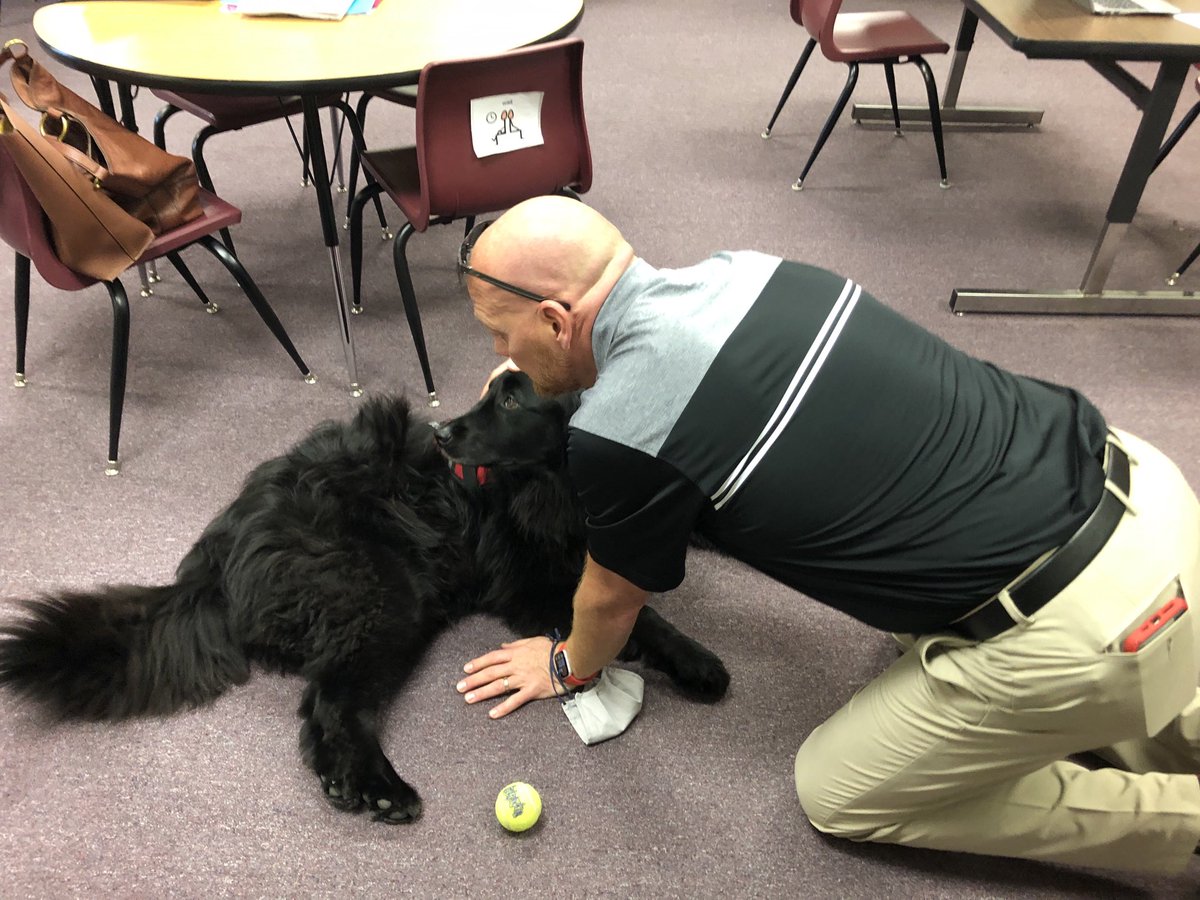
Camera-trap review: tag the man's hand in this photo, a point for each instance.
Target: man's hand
(520, 669)
(507, 366)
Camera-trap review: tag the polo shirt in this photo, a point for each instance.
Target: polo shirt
(815, 434)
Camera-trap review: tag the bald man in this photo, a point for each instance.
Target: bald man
(1041, 562)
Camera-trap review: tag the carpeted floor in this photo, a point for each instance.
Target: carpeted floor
(691, 801)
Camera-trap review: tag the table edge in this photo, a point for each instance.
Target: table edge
(272, 87)
(1083, 50)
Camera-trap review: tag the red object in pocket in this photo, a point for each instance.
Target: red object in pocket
(1144, 633)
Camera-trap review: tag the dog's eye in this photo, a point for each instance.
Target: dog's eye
(509, 402)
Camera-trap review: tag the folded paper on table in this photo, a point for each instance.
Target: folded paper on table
(331, 10)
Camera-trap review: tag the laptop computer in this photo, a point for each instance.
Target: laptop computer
(1128, 7)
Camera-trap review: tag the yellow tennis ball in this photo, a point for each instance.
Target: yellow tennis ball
(518, 806)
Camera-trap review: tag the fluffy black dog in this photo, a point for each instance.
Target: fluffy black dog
(340, 561)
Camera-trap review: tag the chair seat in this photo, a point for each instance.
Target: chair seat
(399, 175)
(229, 113)
(217, 214)
(871, 36)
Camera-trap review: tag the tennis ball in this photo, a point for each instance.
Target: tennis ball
(518, 806)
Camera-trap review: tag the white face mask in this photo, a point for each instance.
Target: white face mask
(605, 709)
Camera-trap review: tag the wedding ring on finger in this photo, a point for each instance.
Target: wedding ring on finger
(504, 681)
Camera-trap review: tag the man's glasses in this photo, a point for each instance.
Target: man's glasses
(464, 266)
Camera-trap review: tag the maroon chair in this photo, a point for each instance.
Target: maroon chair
(880, 38)
(23, 226)
(440, 179)
(401, 96)
(222, 113)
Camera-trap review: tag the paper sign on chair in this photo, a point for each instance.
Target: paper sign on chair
(502, 123)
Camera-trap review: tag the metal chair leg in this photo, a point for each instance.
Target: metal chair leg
(360, 146)
(360, 113)
(177, 261)
(827, 128)
(787, 91)
(117, 372)
(203, 176)
(373, 188)
(21, 309)
(889, 72)
(145, 279)
(935, 115)
(1169, 144)
(410, 307)
(256, 298)
(1187, 264)
(160, 125)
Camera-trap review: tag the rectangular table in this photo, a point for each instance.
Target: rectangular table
(1059, 29)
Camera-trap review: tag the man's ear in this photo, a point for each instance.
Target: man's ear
(552, 313)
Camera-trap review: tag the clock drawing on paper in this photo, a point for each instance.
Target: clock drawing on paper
(503, 123)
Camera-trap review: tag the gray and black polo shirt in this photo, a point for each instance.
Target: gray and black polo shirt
(813, 433)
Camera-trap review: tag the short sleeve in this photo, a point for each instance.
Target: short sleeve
(640, 510)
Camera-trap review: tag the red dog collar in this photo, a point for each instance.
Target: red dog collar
(474, 476)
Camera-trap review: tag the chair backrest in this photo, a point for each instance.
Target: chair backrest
(454, 181)
(23, 226)
(819, 16)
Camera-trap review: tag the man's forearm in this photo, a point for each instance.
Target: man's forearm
(606, 608)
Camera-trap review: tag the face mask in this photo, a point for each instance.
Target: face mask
(606, 707)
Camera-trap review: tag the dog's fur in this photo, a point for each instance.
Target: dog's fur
(341, 560)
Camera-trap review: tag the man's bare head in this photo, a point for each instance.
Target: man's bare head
(556, 246)
(560, 249)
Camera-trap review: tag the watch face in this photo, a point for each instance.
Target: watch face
(561, 668)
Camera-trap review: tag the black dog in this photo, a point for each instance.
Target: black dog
(341, 560)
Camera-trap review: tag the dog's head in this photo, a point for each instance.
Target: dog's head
(510, 427)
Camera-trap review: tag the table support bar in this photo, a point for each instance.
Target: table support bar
(1076, 303)
(954, 115)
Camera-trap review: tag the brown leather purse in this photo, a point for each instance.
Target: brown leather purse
(92, 235)
(157, 187)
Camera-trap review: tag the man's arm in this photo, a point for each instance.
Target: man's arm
(606, 608)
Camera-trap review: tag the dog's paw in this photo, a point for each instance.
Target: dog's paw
(701, 676)
(377, 789)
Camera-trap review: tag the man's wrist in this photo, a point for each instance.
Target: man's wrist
(561, 667)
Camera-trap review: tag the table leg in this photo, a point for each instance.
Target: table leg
(329, 230)
(951, 112)
(1091, 298)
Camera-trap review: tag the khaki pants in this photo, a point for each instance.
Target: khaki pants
(962, 746)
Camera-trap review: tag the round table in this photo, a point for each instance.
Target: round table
(193, 45)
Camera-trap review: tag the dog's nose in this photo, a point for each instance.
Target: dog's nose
(441, 434)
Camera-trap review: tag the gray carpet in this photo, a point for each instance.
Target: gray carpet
(691, 801)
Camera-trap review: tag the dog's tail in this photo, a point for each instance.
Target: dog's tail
(124, 650)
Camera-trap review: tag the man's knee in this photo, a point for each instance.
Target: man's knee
(833, 804)
(818, 797)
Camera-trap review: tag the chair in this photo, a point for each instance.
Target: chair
(880, 38)
(23, 227)
(1168, 145)
(440, 179)
(405, 95)
(222, 113)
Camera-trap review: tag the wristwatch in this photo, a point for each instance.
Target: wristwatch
(562, 668)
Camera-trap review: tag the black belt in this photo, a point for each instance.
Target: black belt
(1033, 591)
